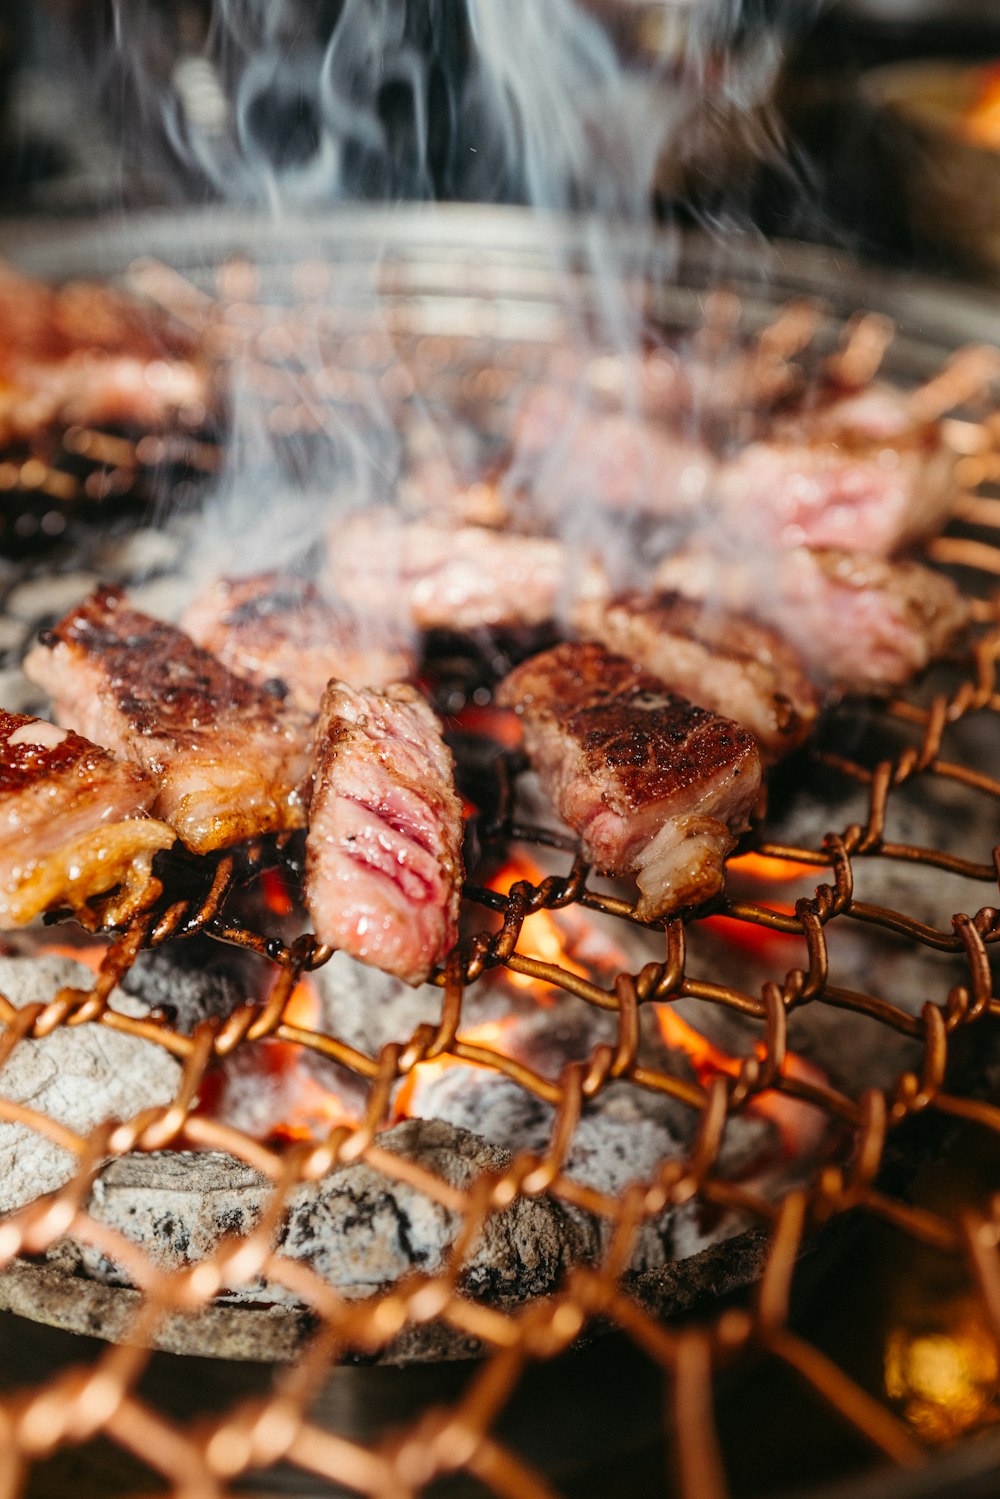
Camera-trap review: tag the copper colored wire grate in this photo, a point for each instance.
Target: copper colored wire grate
(103, 1398)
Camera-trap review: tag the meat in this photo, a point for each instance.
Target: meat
(73, 822)
(458, 578)
(862, 624)
(720, 660)
(652, 784)
(383, 853)
(86, 354)
(227, 759)
(857, 472)
(613, 458)
(275, 628)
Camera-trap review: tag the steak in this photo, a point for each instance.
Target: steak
(720, 660)
(652, 784)
(862, 624)
(384, 848)
(857, 471)
(226, 758)
(73, 821)
(460, 578)
(274, 628)
(86, 354)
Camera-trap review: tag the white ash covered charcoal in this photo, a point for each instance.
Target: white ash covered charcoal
(862, 624)
(78, 1075)
(275, 628)
(653, 785)
(384, 848)
(358, 1228)
(857, 470)
(73, 823)
(228, 760)
(725, 661)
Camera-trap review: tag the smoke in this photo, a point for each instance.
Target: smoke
(299, 107)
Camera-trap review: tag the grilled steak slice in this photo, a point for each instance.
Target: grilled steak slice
(383, 853)
(227, 759)
(653, 785)
(862, 624)
(73, 821)
(723, 661)
(275, 628)
(460, 578)
(618, 459)
(858, 471)
(86, 354)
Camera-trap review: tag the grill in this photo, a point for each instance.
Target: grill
(464, 293)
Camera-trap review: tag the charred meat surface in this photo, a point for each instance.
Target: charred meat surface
(383, 852)
(87, 354)
(457, 578)
(228, 761)
(862, 624)
(652, 784)
(274, 628)
(857, 471)
(73, 821)
(720, 660)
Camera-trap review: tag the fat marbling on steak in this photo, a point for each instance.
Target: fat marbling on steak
(73, 821)
(862, 624)
(384, 848)
(227, 760)
(719, 659)
(276, 628)
(652, 784)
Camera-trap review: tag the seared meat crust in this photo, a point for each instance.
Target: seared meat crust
(227, 760)
(73, 821)
(653, 784)
(721, 660)
(275, 628)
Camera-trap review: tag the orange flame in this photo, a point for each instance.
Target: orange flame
(275, 892)
(798, 1124)
(556, 937)
(489, 1033)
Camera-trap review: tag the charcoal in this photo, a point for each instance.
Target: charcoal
(194, 979)
(79, 1076)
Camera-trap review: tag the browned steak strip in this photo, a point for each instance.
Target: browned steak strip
(273, 627)
(653, 785)
(73, 821)
(450, 578)
(227, 760)
(721, 660)
(87, 354)
(862, 624)
(383, 854)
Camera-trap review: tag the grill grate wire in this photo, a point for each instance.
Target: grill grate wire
(82, 1402)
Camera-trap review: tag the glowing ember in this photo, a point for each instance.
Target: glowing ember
(90, 953)
(800, 1127)
(767, 870)
(981, 124)
(276, 894)
(490, 1034)
(564, 938)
